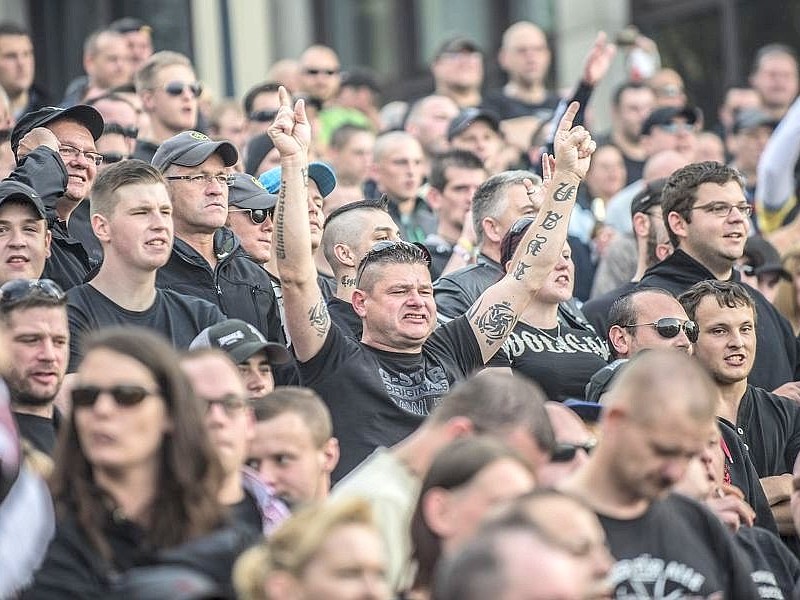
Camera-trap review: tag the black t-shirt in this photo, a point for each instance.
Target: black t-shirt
(39, 431)
(377, 398)
(677, 549)
(775, 569)
(561, 360)
(770, 426)
(176, 316)
(506, 107)
(441, 251)
(343, 315)
(245, 513)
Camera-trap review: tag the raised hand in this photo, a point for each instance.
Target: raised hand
(38, 136)
(537, 194)
(291, 130)
(573, 145)
(599, 59)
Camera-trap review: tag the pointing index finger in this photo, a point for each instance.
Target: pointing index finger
(283, 96)
(569, 116)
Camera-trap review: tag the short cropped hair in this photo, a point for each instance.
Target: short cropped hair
(623, 311)
(459, 159)
(342, 135)
(253, 92)
(344, 225)
(123, 173)
(770, 50)
(400, 253)
(145, 77)
(11, 28)
(680, 191)
(490, 199)
(728, 294)
(623, 87)
(303, 402)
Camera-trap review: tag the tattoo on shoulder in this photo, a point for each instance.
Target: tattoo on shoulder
(319, 318)
(564, 192)
(519, 272)
(496, 322)
(536, 244)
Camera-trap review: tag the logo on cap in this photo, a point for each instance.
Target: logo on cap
(200, 136)
(231, 338)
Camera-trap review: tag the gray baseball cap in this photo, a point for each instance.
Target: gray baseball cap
(191, 148)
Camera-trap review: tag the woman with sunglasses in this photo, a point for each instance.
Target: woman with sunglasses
(136, 479)
(557, 356)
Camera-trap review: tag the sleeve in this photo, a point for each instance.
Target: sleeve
(449, 297)
(80, 323)
(44, 171)
(457, 341)
(336, 350)
(776, 166)
(274, 322)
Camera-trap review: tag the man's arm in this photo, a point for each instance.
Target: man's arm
(778, 490)
(494, 315)
(307, 318)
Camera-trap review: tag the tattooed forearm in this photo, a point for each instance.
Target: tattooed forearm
(280, 247)
(304, 173)
(319, 318)
(496, 322)
(564, 192)
(551, 219)
(536, 244)
(519, 272)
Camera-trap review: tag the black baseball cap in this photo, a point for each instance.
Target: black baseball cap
(763, 258)
(649, 197)
(129, 25)
(467, 117)
(664, 116)
(191, 148)
(86, 115)
(247, 192)
(14, 190)
(240, 340)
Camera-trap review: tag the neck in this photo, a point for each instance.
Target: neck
(231, 491)
(132, 491)
(592, 484)
(271, 266)
(159, 132)
(462, 97)
(203, 243)
(417, 451)
(631, 148)
(345, 285)
(132, 289)
(18, 102)
(323, 268)
(542, 315)
(722, 270)
(37, 410)
(749, 173)
(405, 206)
(641, 260)
(323, 487)
(490, 250)
(533, 93)
(730, 396)
(449, 231)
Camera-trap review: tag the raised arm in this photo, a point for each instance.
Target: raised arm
(307, 319)
(495, 313)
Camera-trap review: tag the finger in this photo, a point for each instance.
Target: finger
(569, 116)
(284, 97)
(552, 160)
(300, 111)
(546, 173)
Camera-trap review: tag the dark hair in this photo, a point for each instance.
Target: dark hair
(11, 28)
(623, 87)
(399, 253)
(680, 191)
(189, 476)
(490, 199)
(459, 159)
(303, 402)
(453, 467)
(33, 300)
(342, 135)
(121, 174)
(623, 310)
(261, 88)
(728, 294)
(769, 50)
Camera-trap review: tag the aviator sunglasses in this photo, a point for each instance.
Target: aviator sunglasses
(669, 327)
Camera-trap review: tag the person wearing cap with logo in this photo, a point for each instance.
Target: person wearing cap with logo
(25, 239)
(74, 132)
(478, 131)
(207, 259)
(457, 70)
(249, 349)
(139, 36)
(132, 218)
(250, 216)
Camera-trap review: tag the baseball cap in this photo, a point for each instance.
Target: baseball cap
(751, 118)
(589, 412)
(455, 45)
(129, 25)
(240, 340)
(321, 173)
(649, 197)
(763, 258)
(86, 115)
(14, 190)
(664, 116)
(191, 148)
(467, 117)
(247, 192)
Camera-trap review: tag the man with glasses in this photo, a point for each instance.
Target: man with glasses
(250, 216)
(131, 215)
(381, 389)
(706, 215)
(769, 424)
(207, 258)
(320, 73)
(260, 107)
(230, 424)
(169, 89)
(35, 334)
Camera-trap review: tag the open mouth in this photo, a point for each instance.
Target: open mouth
(735, 360)
(17, 259)
(416, 318)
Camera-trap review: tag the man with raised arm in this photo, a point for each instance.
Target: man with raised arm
(381, 389)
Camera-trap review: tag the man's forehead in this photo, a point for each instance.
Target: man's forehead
(709, 309)
(654, 303)
(68, 128)
(213, 376)
(21, 319)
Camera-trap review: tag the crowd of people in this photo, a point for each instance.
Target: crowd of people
(474, 344)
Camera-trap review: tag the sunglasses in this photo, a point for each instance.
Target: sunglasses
(314, 72)
(263, 116)
(257, 215)
(17, 290)
(669, 327)
(231, 404)
(385, 247)
(565, 452)
(85, 396)
(110, 158)
(128, 132)
(176, 88)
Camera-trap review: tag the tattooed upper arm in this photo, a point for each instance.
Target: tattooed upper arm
(492, 324)
(319, 318)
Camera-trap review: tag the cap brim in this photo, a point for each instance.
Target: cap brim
(587, 411)
(323, 176)
(256, 201)
(276, 354)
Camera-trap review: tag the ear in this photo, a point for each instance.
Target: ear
(359, 301)
(101, 228)
(491, 229)
(88, 64)
(330, 452)
(641, 225)
(344, 255)
(436, 511)
(459, 427)
(148, 103)
(501, 59)
(48, 238)
(618, 337)
(677, 224)
(434, 198)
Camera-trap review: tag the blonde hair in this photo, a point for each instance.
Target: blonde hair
(295, 543)
(786, 296)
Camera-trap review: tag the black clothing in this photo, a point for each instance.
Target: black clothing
(145, 150)
(41, 432)
(37, 98)
(343, 315)
(238, 286)
(68, 264)
(775, 569)
(44, 171)
(597, 309)
(416, 226)
(585, 267)
(676, 546)
(377, 398)
(777, 357)
(770, 426)
(80, 228)
(505, 107)
(327, 286)
(176, 316)
(441, 250)
(561, 360)
(246, 513)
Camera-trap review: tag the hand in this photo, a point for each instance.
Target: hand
(291, 130)
(729, 505)
(468, 229)
(573, 145)
(537, 194)
(38, 136)
(598, 60)
(789, 390)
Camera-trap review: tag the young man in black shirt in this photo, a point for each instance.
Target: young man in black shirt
(655, 420)
(769, 424)
(132, 219)
(381, 389)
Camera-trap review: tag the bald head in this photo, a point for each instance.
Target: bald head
(392, 141)
(524, 54)
(358, 229)
(521, 30)
(663, 164)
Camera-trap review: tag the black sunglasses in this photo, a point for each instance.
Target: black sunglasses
(669, 327)
(565, 452)
(85, 396)
(128, 132)
(257, 215)
(110, 158)
(175, 88)
(263, 116)
(15, 291)
(384, 247)
(313, 72)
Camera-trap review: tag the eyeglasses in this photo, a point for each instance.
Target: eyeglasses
(110, 158)
(676, 127)
(15, 291)
(71, 153)
(128, 132)
(203, 179)
(231, 404)
(669, 327)
(384, 247)
(176, 88)
(257, 215)
(565, 452)
(315, 72)
(723, 209)
(263, 116)
(85, 396)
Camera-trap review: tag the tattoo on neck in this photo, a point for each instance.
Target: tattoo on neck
(519, 272)
(536, 244)
(551, 219)
(495, 323)
(564, 192)
(319, 318)
(347, 280)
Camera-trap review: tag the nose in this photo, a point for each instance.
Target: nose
(215, 416)
(674, 470)
(17, 238)
(267, 473)
(47, 351)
